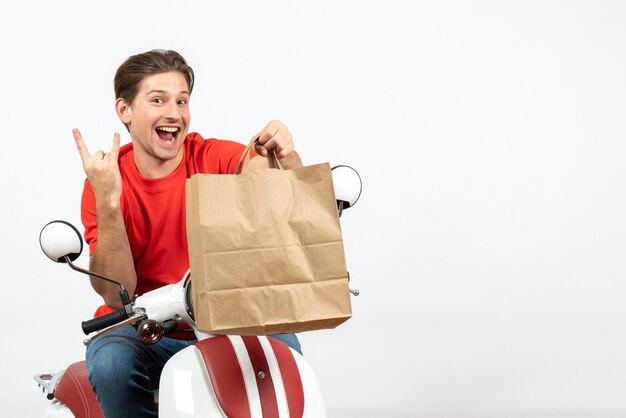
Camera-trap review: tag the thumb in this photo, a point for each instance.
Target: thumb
(260, 149)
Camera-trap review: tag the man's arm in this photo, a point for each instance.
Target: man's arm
(113, 257)
(275, 136)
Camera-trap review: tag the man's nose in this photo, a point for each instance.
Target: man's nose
(172, 111)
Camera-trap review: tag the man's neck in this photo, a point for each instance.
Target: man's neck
(153, 168)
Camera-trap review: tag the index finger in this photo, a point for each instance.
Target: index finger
(116, 145)
(80, 144)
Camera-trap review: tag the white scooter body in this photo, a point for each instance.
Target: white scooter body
(187, 377)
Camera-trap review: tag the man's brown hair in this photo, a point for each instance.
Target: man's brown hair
(137, 67)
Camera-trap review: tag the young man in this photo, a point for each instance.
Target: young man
(133, 210)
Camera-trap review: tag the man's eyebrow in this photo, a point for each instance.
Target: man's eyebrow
(166, 92)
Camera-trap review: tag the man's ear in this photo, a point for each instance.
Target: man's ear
(123, 111)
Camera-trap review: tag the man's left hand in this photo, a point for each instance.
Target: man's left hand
(275, 136)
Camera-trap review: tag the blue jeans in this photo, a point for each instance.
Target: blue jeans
(123, 371)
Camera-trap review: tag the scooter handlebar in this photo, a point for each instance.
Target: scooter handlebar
(104, 321)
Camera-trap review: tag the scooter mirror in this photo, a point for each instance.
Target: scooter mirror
(348, 185)
(59, 239)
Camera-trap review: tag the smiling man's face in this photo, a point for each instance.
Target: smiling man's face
(158, 120)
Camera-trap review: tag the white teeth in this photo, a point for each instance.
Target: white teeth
(168, 129)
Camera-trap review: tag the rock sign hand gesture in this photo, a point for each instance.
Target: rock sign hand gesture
(102, 170)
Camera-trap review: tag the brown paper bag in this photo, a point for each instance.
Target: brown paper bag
(266, 251)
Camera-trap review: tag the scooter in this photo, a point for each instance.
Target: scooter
(219, 376)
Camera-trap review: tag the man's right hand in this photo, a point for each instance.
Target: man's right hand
(102, 170)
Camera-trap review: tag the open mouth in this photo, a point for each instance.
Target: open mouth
(167, 133)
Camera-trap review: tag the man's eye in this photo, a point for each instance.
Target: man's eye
(157, 100)
(182, 102)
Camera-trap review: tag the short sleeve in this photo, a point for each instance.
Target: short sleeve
(214, 156)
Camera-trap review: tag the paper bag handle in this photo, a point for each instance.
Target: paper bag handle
(245, 157)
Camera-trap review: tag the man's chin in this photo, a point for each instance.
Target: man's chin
(167, 147)
(166, 154)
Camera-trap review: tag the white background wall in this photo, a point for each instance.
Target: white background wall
(489, 241)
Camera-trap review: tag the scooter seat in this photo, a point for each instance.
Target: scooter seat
(75, 391)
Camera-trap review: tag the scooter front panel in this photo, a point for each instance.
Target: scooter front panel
(267, 370)
(239, 377)
(185, 389)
